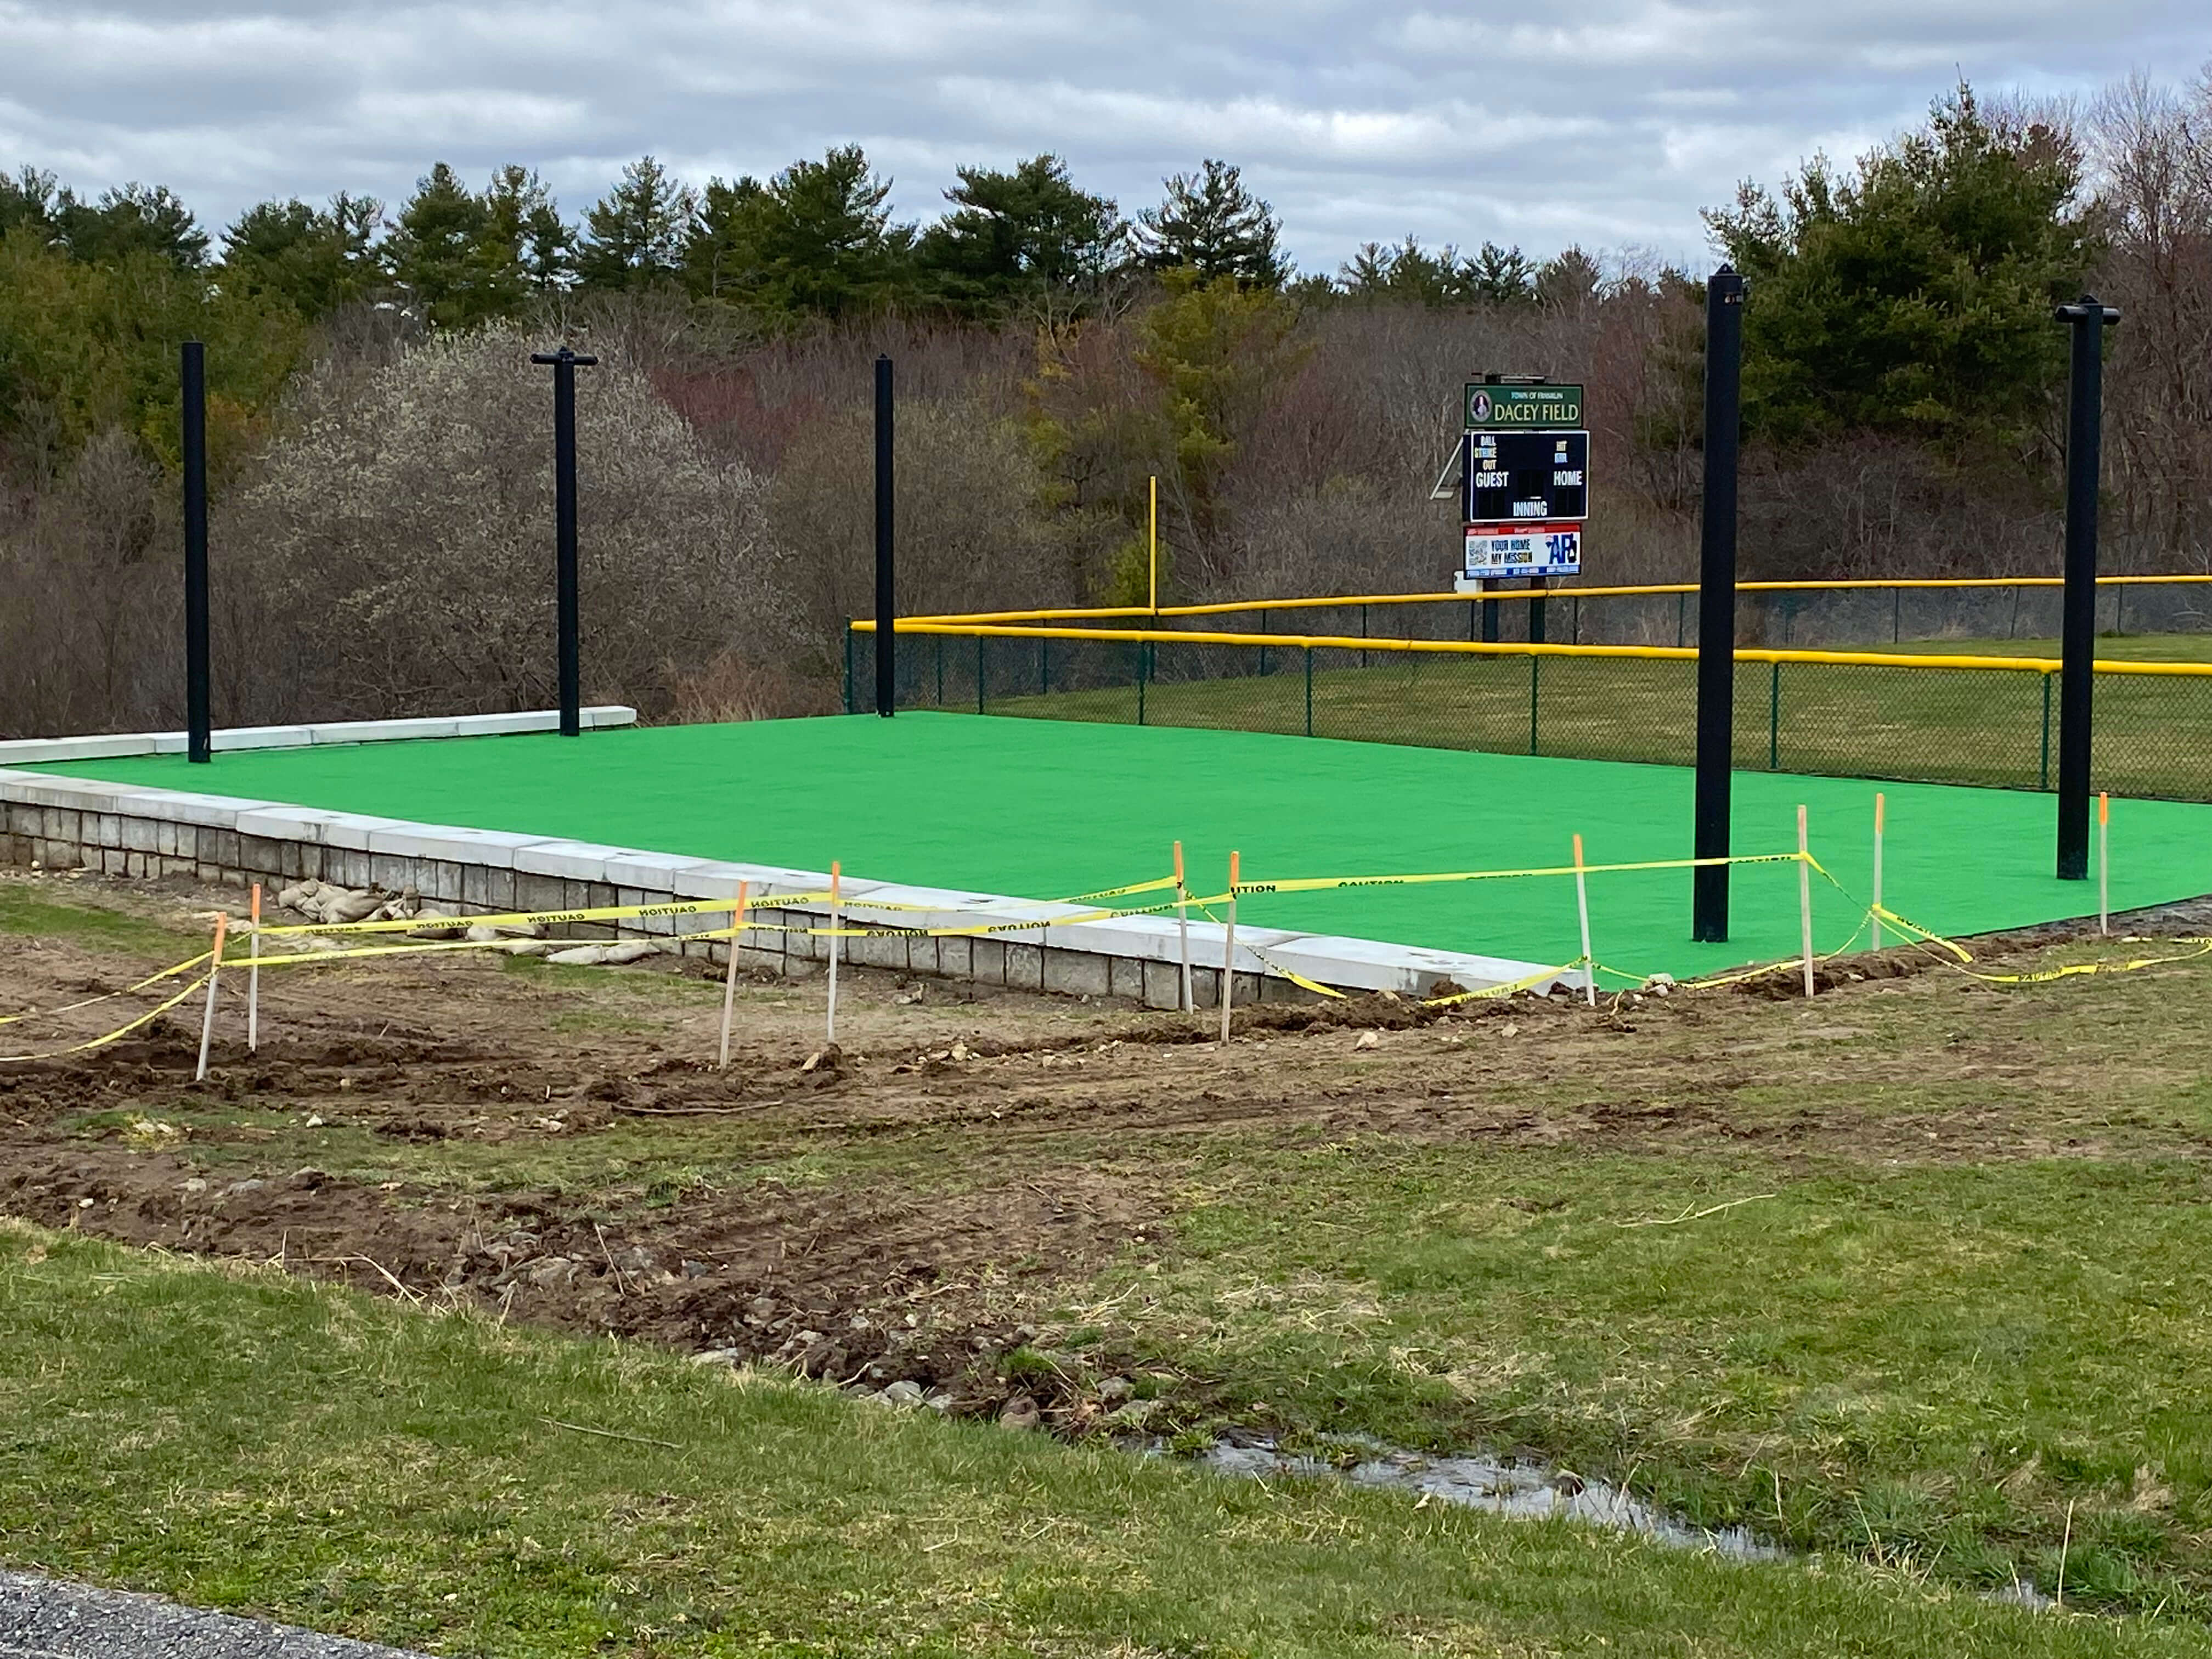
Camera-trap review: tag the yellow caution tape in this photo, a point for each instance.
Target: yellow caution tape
(106, 996)
(1963, 959)
(1529, 983)
(1322, 884)
(293, 959)
(119, 1032)
(678, 908)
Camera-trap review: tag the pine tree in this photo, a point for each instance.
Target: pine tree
(1502, 276)
(1914, 293)
(1212, 224)
(527, 228)
(1569, 281)
(1030, 231)
(315, 261)
(815, 240)
(435, 252)
(634, 235)
(135, 219)
(26, 203)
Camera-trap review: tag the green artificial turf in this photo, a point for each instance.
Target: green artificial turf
(1046, 808)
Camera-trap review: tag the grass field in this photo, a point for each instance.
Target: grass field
(1909, 1276)
(243, 1440)
(1048, 809)
(1944, 727)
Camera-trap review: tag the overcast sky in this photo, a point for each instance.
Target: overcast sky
(1608, 123)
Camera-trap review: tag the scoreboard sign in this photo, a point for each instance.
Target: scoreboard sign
(1532, 477)
(1499, 550)
(1523, 407)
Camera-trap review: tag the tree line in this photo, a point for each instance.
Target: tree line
(815, 241)
(1903, 412)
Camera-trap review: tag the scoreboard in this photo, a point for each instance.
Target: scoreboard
(1523, 477)
(1524, 481)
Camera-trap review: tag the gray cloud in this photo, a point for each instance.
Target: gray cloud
(1610, 124)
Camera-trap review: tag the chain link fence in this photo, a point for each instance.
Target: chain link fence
(1988, 614)
(1991, 726)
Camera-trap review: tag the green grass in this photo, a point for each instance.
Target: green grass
(1924, 1365)
(247, 1441)
(2111, 647)
(1956, 1329)
(42, 910)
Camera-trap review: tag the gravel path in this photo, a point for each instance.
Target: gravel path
(47, 1619)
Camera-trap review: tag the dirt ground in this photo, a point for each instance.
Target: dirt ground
(555, 1145)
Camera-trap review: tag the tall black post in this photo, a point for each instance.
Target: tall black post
(199, 742)
(2077, 677)
(886, 598)
(565, 363)
(1724, 292)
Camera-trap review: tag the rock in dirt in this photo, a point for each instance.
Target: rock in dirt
(579, 956)
(1369, 1040)
(902, 1393)
(1113, 1390)
(1020, 1412)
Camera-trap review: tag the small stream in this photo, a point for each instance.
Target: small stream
(1521, 1491)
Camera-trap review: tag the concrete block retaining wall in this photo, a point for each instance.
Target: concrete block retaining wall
(64, 823)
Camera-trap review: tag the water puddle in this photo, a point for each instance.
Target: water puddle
(1521, 1491)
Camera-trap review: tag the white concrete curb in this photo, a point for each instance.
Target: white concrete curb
(30, 751)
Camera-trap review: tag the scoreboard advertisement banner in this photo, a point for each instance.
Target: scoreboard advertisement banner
(1512, 550)
(1540, 477)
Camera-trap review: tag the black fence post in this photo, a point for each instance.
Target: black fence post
(886, 611)
(1724, 295)
(564, 364)
(199, 738)
(2078, 629)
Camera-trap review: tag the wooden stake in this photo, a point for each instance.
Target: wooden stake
(2104, 862)
(253, 982)
(1805, 897)
(1581, 903)
(1229, 952)
(1876, 916)
(830, 1032)
(730, 975)
(207, 1019)
(1182, 927)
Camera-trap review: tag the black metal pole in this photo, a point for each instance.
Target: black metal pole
(2078, 630)
(1537, 585)
(886, 604)
(199, 739)
(565, 363)
(1724, 292)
